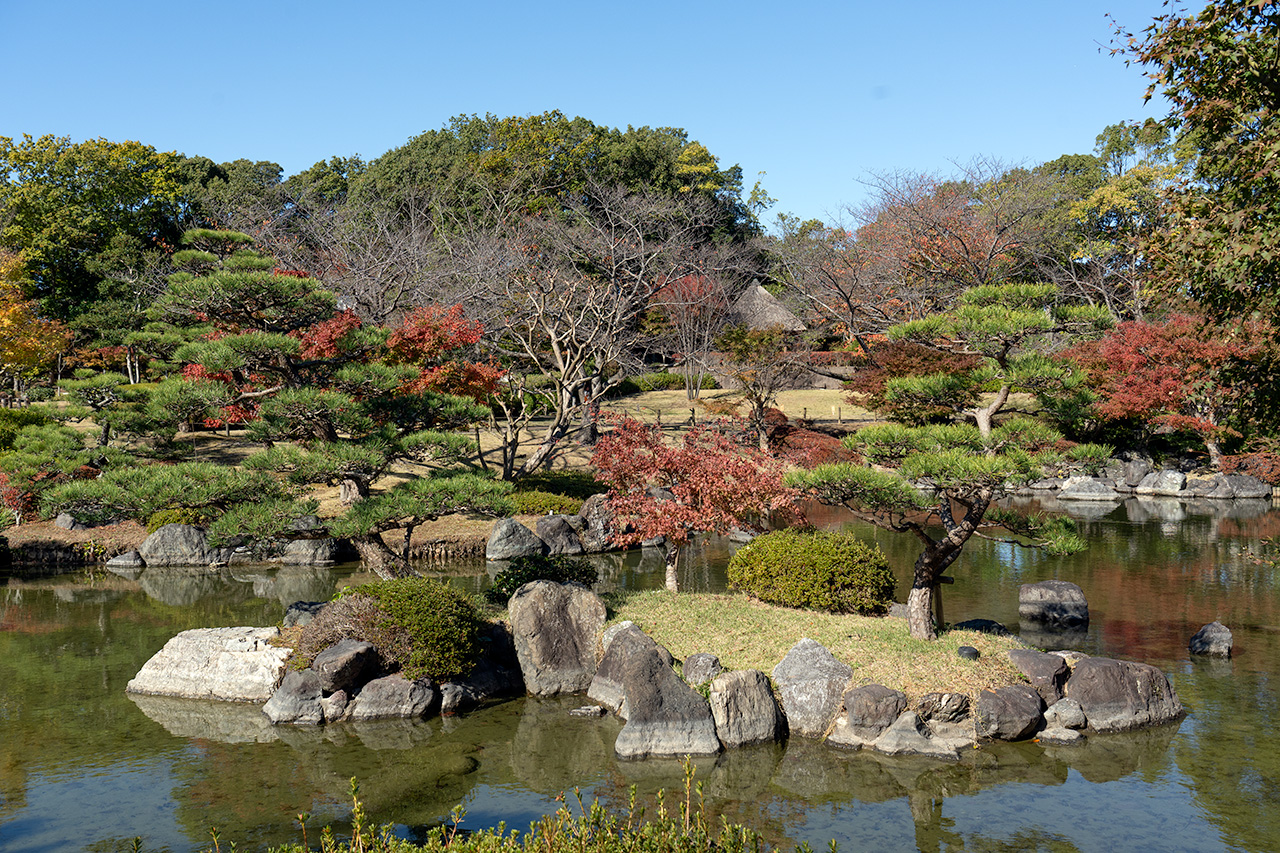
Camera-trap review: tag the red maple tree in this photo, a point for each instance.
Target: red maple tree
(705, 483)
(1172, 374)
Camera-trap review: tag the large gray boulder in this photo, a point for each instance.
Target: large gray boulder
(1245, 487)
(607, 685)
(1008, 713)
(511, 539)
(1087, 489)
(232, 664)
(1120, 695)
(1054, 603)
(180, 545)
(310, 552)
(560, 534)
(665, 716)
(597, 525)
(812, 683)
(297, 700)
(1213, 486)
(744, 708)
(344, 665)
(1213, 639)
(865, 713)
(1047, 673)
(1167, 482)
(393, 696)
(556, 628)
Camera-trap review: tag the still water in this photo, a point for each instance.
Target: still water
(83, 766)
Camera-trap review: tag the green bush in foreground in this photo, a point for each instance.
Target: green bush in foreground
(539, 568)
(817, 570)
(580, 828)
(419, 625)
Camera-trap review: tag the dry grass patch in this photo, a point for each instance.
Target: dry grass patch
(748, 634)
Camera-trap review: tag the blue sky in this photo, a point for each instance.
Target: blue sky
(818, 95)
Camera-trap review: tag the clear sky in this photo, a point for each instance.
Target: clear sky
(817, 95)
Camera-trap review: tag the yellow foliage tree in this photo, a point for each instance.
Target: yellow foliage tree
(28, 343)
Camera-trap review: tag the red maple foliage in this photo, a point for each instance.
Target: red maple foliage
(428, 337)
(324, 339)
(715, 483)
(1170, 373)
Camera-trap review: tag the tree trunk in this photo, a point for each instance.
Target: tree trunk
(673, 562)
(920, 613)
(352, 489)
(379, 558)
(1215, 453)
(985, 415)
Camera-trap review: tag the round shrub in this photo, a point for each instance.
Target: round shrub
(816, 570)
(537, 567)
(420, 626)
(537, 502)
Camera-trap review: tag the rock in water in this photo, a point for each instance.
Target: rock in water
(744, 709)
(1057, 603)
(812, 684)
(665, 716)
(1120, 695)
(234, 664)
(556, 628)
(1213, 639)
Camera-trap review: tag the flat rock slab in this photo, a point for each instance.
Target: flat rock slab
(231, 664)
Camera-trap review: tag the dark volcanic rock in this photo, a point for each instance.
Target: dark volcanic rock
(1047, 673)
(1121, 695)
(1213, 639)
(1008, 713)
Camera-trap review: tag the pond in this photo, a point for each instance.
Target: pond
(83, 766)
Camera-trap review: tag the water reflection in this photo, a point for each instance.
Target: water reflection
(68, 646)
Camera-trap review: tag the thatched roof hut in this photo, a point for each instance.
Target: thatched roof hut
(757, 308)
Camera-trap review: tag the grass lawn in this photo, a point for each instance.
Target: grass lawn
(748, 634)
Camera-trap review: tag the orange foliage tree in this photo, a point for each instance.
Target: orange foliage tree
(28, 343)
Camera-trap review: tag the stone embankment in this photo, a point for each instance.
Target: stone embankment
(557, 644)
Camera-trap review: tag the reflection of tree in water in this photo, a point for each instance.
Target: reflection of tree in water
(1232, 752)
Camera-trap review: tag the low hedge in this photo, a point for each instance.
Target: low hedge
(537, 502)
(816, 570)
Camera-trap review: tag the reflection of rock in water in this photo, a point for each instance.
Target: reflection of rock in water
(1244, 508)
(87, 595)
(1155, 509)
(1108, 757)
(407, 773)
(1043, 636)
(225, 722)
(824, 774)
(744, 773)
(391, 734)
(302, 583)
(553, 752)
(1089, 510)
(181, 586)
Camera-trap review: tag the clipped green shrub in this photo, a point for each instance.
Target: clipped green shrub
(817, 570)
(540, 503)
(663, 381)
(178, 515)
(538, 567)
(420, 626)
(574, 484)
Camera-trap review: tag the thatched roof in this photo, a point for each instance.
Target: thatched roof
(757, 308)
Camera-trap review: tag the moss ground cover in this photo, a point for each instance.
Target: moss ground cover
(748, 634)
